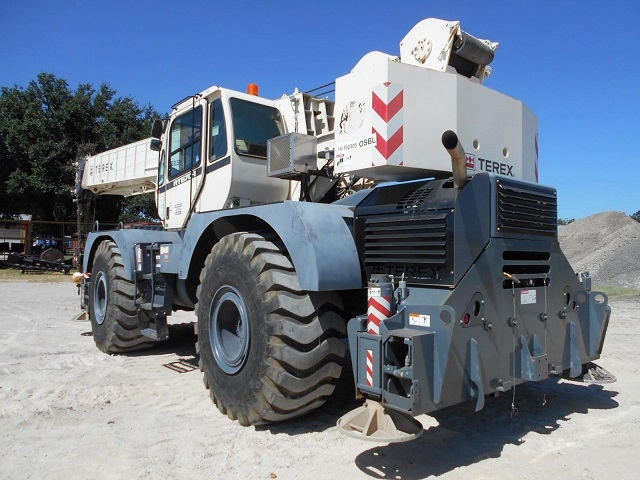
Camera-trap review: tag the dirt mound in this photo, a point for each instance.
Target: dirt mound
(607, 245)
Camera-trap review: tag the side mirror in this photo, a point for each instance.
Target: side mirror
(156, 144)
(157, 128)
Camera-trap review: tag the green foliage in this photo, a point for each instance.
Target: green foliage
(566, 221)
(139, 208)
(636, 216)
(619, 293)
(45, 128)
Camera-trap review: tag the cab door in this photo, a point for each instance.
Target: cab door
(183, 160)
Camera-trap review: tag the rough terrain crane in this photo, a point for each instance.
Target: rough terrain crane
(402, 223)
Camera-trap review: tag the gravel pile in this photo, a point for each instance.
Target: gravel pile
(607, 245)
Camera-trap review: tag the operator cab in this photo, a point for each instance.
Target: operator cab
(213, 155)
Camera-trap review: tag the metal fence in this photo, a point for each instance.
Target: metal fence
(31, 237)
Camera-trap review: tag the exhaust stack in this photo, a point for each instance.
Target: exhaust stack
(458, 160)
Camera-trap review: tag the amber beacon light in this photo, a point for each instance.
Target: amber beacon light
(252, 89)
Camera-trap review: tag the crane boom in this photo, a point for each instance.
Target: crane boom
(127, 170)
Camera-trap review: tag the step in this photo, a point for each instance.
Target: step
(148, 306)
(153, 334)
(158, 330)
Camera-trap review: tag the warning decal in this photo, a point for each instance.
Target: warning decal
(527, 297)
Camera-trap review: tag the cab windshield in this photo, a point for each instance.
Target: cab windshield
(253, 125)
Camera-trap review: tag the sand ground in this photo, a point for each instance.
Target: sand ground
(70, 411)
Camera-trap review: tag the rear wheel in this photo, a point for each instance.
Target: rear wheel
(114, 317)
(269, 350)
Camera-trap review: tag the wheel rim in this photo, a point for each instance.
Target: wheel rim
(229, 330)
(100, 295)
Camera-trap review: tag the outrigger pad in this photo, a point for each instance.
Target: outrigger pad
(373, 422)
(596, 374)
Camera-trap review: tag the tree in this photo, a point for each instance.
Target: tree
(139, 208)
(636, 216)
(566, 221)
(45, 128)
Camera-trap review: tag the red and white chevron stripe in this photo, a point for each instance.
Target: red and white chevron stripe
(387, 123)
(378, 309)
(369, 368)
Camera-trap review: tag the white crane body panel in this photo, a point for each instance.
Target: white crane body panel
(392, 116)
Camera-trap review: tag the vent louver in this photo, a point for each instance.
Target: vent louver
(406, 240)
(527, 210)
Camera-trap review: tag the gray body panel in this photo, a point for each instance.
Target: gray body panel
(317, 237)
(515, 312)
(126, 239)
(452, 362)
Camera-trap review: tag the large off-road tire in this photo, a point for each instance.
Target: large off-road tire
(269, 350)
(114, 317)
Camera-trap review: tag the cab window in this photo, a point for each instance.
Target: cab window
(218, 131)
(161, 169)
(185, 141)
(253, 125)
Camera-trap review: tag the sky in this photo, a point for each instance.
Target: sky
(576, 64)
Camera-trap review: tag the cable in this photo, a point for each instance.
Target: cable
(320, 87)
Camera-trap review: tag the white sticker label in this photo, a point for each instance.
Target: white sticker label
(527, 297)
(374, 292)
(343, 161)
(419, 320)
(345, 147)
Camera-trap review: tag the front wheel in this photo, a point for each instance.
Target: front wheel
(269, 350)
(114, 316)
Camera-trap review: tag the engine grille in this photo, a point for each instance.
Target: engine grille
(414, 199)
(414, 245)
(526, 209)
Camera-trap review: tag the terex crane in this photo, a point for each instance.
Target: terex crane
(289, 225)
